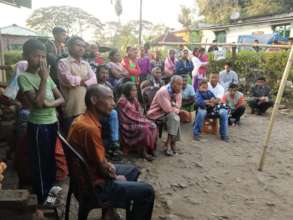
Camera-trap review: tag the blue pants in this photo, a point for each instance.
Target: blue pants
(136, 197)
(41, 151)
(110, 129)
(199, 121)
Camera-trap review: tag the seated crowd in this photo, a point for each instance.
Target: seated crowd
(106, 110)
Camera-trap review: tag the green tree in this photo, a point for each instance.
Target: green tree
(263, 7)
(185, 17)
(74, 20)
(217, 11)
(115, 34)
(288, 4)
(154, 32)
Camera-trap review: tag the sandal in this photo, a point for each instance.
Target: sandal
(116, 155)
(148, 157)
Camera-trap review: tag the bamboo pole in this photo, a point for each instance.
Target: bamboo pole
(275, 109)
(2, 60)
(227, 45)
(140, 24)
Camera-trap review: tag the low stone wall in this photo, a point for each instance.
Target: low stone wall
(17, 205)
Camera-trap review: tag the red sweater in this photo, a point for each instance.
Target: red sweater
(132, 68)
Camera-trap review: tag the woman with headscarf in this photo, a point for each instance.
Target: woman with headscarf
(170, 63)
(117, 71)
(137, 132)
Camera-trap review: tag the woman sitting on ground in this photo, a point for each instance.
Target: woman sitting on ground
(137, 132)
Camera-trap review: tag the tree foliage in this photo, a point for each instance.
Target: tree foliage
(74, 20)
(185, 17)
(219, 11)
(262, 7)
(118, 7)
(119, 35)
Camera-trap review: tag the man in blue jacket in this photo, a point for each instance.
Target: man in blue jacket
(184, 66)
(207, 103)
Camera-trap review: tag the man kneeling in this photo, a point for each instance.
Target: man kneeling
(115, 184)
(208, 104)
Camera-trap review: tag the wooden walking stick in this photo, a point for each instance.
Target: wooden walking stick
(275, 109)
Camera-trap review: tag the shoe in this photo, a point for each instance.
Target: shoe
(53, 197)
(169, 153)
(226, 139)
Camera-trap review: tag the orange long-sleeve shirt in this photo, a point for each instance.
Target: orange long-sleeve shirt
(85, 135)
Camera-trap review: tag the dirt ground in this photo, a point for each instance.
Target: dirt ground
(214, 180)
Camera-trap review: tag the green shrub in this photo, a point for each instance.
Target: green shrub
(11, 58)
(250, 64)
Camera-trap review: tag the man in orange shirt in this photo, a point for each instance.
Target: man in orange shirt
(114, 183)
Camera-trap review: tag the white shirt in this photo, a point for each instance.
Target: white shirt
(227, 78)
(196, 64)
(218, 91)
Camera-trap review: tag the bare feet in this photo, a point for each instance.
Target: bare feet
(173, 147)
(39, 215)
(110, 214)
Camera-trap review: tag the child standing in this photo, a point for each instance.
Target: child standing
(43, 96)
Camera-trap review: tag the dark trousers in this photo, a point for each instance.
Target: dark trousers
(66, 124)
(260, 107)
(41, 151)
(237, 113)
(136, 197)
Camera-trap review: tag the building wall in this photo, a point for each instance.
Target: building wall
(10, 41)
(208, 36)
(234, 32)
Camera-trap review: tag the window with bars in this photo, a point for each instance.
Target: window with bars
(220, 36)
(283, 30)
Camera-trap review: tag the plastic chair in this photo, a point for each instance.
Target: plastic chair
(211, 126)
(80, 183)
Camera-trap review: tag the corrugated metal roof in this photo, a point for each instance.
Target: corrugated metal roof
(16, 30)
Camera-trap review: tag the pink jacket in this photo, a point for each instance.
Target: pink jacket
(170, 66)
(161, 104)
